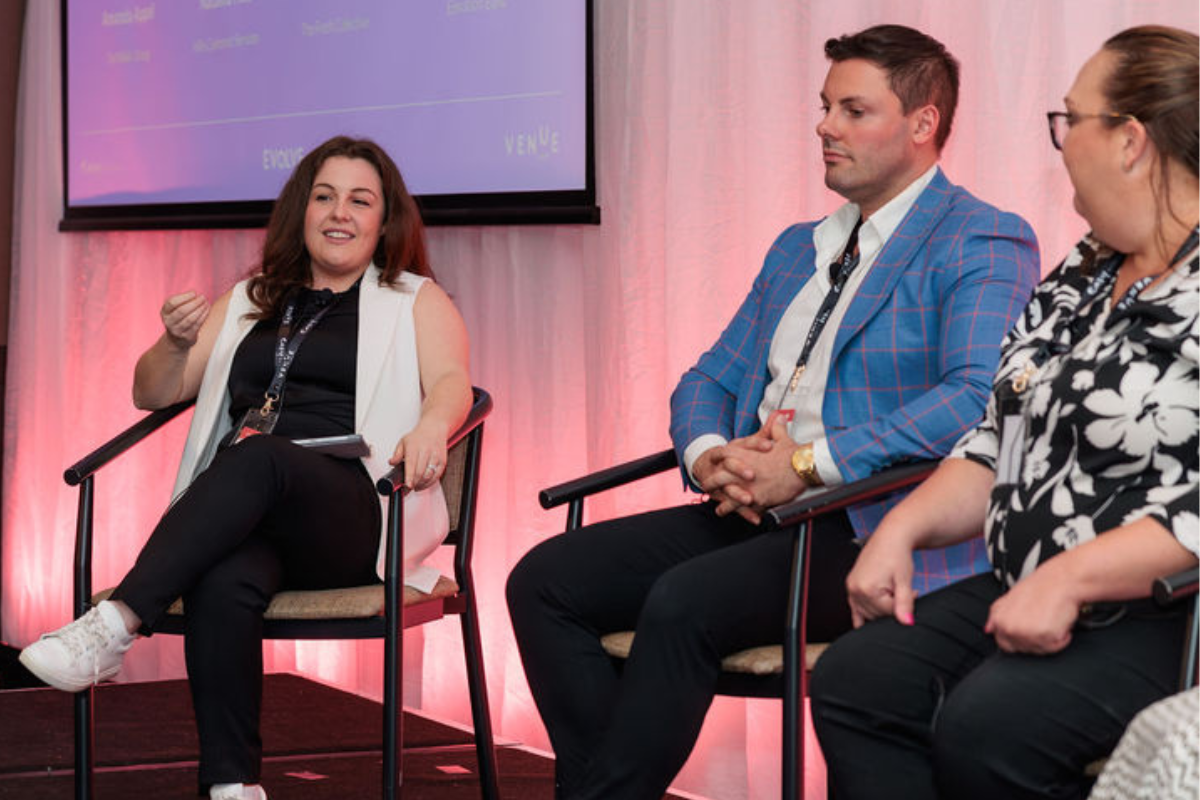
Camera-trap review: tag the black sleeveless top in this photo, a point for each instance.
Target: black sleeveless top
(318, 397)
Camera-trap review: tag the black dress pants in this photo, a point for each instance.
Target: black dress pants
(696, 587)
(264, 516)
(939, 710)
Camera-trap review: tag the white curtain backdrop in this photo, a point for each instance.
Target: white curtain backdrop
(706, 149)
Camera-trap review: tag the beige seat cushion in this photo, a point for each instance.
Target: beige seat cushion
(353, 603)
(765, 660)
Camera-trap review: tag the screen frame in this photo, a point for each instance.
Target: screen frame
(484, 208)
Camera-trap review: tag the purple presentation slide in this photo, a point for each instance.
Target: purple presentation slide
(176, 101)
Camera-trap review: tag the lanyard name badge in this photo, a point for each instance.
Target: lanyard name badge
(843, 267)
(262, 420)
(1011, 396)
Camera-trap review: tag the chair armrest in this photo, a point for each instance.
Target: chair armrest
(1170, 588)
(78, 472)
(609, 478)
(877, 485)
(481, 406)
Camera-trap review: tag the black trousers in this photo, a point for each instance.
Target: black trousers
(265, 515)
(696, 587)
(939, 710)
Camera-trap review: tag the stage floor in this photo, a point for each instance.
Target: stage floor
(319, 743)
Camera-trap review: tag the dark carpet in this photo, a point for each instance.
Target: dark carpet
(427, 776)
(319, 743)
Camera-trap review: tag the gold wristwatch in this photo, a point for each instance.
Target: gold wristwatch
(805, 465)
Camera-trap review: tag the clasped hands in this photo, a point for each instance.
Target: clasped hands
(750, 474)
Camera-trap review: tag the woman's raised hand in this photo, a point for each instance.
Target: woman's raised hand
(182, 315)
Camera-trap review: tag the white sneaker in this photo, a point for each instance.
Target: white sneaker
(236, 791)
(81, 653)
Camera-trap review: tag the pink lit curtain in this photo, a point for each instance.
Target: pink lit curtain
(706, 149)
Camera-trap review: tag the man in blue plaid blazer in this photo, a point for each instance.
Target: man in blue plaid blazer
(910, 365)
(868, 338)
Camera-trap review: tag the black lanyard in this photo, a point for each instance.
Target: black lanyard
(840, 271)
(287, 345)
(1068, 330)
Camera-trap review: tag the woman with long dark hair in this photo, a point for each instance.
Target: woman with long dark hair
(339, 330)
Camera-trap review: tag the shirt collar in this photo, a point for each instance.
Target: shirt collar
(833, 231)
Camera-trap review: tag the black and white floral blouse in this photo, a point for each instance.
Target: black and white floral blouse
(1112, 432)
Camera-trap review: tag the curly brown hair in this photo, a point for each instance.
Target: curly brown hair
(285, 262)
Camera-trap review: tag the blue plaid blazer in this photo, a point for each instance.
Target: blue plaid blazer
(913, 357)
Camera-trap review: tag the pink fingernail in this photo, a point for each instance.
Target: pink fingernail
(908, 619)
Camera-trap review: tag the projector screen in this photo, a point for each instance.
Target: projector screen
(186, 113)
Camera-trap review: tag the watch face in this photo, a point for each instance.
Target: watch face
(804, 463)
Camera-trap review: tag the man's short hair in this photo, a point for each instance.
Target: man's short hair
(919, 68)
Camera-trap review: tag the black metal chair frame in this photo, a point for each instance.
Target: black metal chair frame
(389, 626)
(799, 514)
(1173, 589)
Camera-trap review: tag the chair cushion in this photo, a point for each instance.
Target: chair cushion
(765, 660)
(355, 602)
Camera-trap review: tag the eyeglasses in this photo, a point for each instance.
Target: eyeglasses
(1062, 121)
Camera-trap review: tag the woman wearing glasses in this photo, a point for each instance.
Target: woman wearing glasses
(1083, 475)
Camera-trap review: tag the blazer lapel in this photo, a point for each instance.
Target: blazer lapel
(901, 248)
(378, 313)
